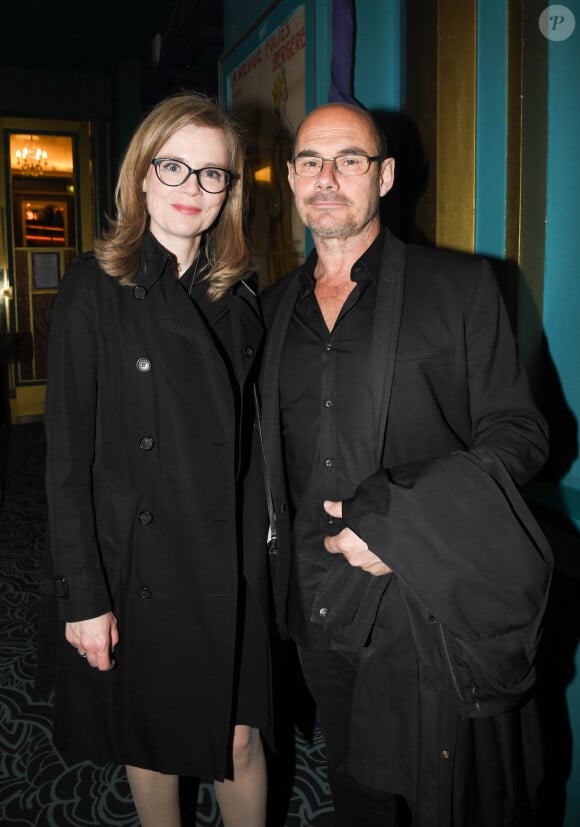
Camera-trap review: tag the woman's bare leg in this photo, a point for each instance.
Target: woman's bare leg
(242, 802)
(156, 797)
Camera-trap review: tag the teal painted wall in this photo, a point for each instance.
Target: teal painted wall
(562, 282)
(239, 18)
(379, 54)
(491, 145)
(562, 295)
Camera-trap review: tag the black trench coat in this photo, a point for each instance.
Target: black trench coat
(150, 490)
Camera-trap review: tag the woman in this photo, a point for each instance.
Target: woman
(156, 513)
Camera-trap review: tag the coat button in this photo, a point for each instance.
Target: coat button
(323, 612)
(145, 517)
(139, 292)
(146, 443)
(144, 592)
(445, 753)
(249, 351)
(61, 587)
(143, 364)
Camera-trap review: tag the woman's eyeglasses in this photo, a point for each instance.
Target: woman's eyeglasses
(175, 173)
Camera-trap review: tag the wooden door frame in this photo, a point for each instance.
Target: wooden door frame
(26, 399)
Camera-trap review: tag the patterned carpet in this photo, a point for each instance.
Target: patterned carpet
(36, 786)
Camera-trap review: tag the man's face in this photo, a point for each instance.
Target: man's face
(331, 205)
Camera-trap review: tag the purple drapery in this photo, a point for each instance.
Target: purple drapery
(342, 52)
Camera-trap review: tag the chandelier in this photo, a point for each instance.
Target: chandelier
(32, 158)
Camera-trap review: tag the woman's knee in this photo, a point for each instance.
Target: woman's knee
(246, 746)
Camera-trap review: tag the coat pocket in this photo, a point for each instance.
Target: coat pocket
(492, 675)
(347, 602)
(425, 353)
(115, 511)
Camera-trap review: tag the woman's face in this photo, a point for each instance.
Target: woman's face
(179, 215)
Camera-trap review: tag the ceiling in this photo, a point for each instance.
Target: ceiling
(96, 35)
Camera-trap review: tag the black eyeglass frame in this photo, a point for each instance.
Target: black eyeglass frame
(370, 159)
(191, 171)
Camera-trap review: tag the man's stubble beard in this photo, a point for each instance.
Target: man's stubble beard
(347, 228)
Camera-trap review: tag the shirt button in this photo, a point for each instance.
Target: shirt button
(144, 592)
(328, 463)
(328, 403)
(143, 364)
(323, 612)
(145, 517)
(249, 351)
(146, 444)
(139, 292)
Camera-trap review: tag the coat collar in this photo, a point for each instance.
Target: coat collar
(154, 259)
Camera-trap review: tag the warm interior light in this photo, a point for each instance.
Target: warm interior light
(32, 158)
(55, 156)
(264, 175)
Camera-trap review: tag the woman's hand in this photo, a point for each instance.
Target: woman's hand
(95, 639)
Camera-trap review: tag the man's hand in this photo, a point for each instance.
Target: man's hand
(96, 639)
(350, 545)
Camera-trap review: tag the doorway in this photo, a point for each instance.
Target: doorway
(46, 218)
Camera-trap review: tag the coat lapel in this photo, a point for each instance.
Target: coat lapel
(183, 317)
(386, 324)
(270, 383)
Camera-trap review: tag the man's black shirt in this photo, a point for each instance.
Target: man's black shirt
(326, 417)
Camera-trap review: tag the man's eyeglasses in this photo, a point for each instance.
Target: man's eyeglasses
(175, 173)
(309, 166)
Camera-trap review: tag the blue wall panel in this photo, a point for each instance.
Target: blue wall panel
(491, 146)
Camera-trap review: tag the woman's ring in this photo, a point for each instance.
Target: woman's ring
(83, 654)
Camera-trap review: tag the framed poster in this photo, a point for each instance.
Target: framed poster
(263, 84)
(45, 271)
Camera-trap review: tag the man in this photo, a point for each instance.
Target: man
(395, 419)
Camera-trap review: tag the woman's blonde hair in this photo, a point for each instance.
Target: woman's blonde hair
(225, 244)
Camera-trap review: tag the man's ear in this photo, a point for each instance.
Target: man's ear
(291, 174)
(387, 175)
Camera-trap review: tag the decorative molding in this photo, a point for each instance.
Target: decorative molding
(456, 123)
